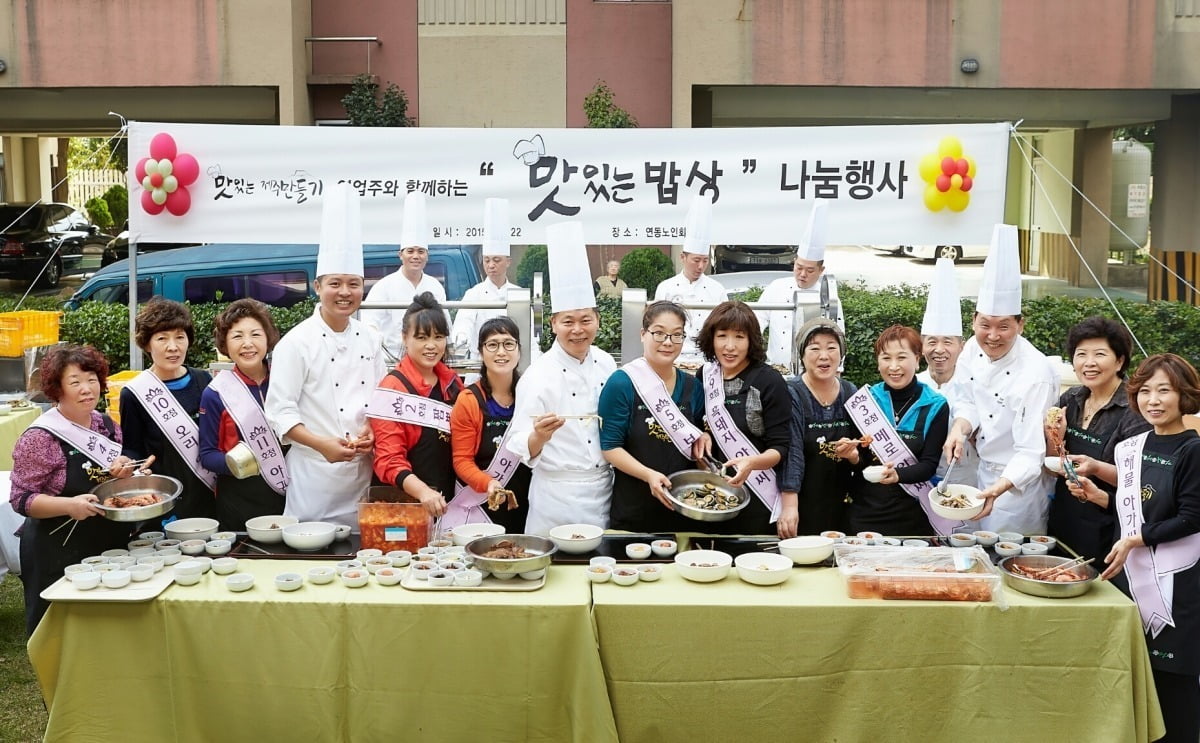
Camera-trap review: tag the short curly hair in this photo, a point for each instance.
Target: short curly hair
(160, 315)
(1110, 331)
(55, 363)
(901, 334)
(737, 316)
(238, 311)
(1182, 375)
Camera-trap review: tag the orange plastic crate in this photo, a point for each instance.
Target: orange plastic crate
(27, 329)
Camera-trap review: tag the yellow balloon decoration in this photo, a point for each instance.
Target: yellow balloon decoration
(957, 199)
(935, 200)
(950, 147)
(930, 167)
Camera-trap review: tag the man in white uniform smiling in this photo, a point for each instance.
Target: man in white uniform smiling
(495, 284)
(691, 284)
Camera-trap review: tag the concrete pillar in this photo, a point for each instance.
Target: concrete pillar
(31, 171)
(14, 170)
(1175, 209)
(1096, 155)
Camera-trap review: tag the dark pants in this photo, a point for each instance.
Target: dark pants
(1179, 697)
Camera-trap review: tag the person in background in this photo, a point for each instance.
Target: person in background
(231, 413)
(65, 453)
(1156, 556)
(161, 406)
(650, 410)
(815, 475)
(609, 285)
(495, 284)
(692, 285)
(479, 425)
(748, 412)
(1095, 416)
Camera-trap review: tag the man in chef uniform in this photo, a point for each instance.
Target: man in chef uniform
(322, 373)
(691, 284)
(807, 268)
(495, 284)
(1006, 387)
(941, 345)
(572, 482)
(411, 280)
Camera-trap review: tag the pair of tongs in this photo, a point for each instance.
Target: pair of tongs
(715, 467)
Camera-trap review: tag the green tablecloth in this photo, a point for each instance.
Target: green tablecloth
(11, 428)
(325, 663)
(730, 661)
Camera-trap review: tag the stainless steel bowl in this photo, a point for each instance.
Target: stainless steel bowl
(688, 479)
(1046, 588)
(167, 487)
(540, 550)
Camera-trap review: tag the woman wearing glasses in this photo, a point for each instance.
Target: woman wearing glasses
(478, 437)
(649, 410)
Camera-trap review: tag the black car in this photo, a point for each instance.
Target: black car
(118, 248)
(55, 237)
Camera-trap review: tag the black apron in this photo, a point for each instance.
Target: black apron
(822, 497)
(756, 517)
(633, 507)
(1083, 526)
(494, 427)
(431, 458)
(889, 509)
(44, 556)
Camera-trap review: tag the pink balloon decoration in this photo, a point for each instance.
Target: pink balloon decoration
(967, 182)
(948, 166)
(943, 183)
(140, 169)
(148, 203)
(179, 202)
(162, 146)
(186, 169)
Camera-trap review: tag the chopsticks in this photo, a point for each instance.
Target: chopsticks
(1077, 562)
(574, 417)
(246, 543)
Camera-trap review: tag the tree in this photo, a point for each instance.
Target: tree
(1143, 133)
(93, 153)
(366, 107)
(603, 113)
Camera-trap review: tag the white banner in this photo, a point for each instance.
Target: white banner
(927, 184)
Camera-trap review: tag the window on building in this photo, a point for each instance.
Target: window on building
(280, 289)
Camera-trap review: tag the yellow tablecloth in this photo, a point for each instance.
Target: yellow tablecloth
(326, 663)
(730, 661)
(11, 428)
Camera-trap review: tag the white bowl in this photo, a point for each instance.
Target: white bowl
(268, 529)
(356, 578)
(308, 536)
(836, 536)
(986, 538)
(1007, 549)
(123, 561)
(224, 565)
(93, 560)
(421, 570)
(194, 528)
(239, 582)
(321, 575)
(375, 564)
(576, 539)
(625, 576)
(1054, 464)
(188, 579)
(218, 547)
(1015, 537)
(855, 540)
(807, 550)
(1050, 542)
(142, 552)
(649, 573)
(441, 577)
(85, 581)
(464, 533)
(388, 576)
(703, 566)
(166, 544)
(367, 554)
(605, 560)
(190, 567)
(109, 554)
(1034, 548)
(228, 536)
(763, 568)
(399, 558)
(963, 540)
(637, 550)
(469, 578)
(874, 473)
(341, 531)
(289, 581)
(870, 537)
(192, 546)
(152, 536)
(170, 555)
(205, 563)
(533, 574)
(139, 544)
(140, 573)
(664, 547)
(915, 543)
(77, 568)
(599, 573)
(957, 514)
(156, 562)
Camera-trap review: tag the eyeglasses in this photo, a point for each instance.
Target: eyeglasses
(660, 336)
(495, 346)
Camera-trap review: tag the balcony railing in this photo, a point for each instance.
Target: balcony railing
(327, 66)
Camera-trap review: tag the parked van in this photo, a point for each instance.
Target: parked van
(279, 275)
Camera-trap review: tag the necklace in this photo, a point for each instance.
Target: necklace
(1090, 409)
(820, 400)
(897, 415)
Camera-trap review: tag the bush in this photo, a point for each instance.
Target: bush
(646, 268)
(533, 261)
(608, 337)
(117, 198)
(97, 211)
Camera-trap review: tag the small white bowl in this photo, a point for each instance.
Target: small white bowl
(341, 532)
(77, 568)
(1011, 536)
(93, 560)
(576, 539)
(470, 578)
(400, 558)
(110, 554)
(85, 581)
(218, 547)
(228, 536)
(859, 541)
(308, 536)
(156, 561)
(1050, 542)
(874, 473)
(1054, 464)
(356, 578)
(224, 565)
(142, 552)
(388, 576)
(806, 550)
(193, 528)
(464, 533)
(703, 566)
(348, 565)
(962, 540)
(836, 536)
(192, 546)
(869, 537)
(957, 514)
(1034, 548)
(289, 581)
(239, 582)
(104, 567)
(441, 577)
(268, 529)
(188, 579)
(166, 544)
(152, 537)
(421, 570)
(649, 573)
(603, 560)
(1007, 549)
(375, 564)
(888, 541)
(171, 555)
(664, 547)
(915, 543)
(599, 573)
(123, 561)
(319, 576)
(986, 538)
(533, 574)
(452, 565)
(637, 550)
(763, 568)
(205, 562)
(140, 573)
(625, 576)
(190, 567)
(138, 544)
(366, 554)
(441, 544)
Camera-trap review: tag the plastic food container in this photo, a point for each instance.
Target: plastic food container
(390, 520)
(917, 573)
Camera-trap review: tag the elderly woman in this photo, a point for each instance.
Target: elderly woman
(160, 407)
(56, 462)
(1096, 415)
(748, 410)
(231, 413)
(919, 417)
(817, 476)
(1157, 503)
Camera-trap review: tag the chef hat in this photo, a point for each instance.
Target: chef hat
(570, 280)
(340, 250)
(1000, 291)
(495, 227)
(699, 225)
(943, 312)
(812, 245)
(414, 232)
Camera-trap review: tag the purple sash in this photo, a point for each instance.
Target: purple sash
(734, 443)
(252, 423)
(890, 448)
(1151, 570)
(95, 446)
(403, 407)
(464, 508)
(176, 425)
(666, 413)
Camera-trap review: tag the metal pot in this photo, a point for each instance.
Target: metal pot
(161, 485)
(686, 480)
(241, 462)
(1046, 588)
(540, 550)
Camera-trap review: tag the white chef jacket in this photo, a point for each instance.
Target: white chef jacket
(679, 289)
(1005, 402)
(571, 482)
(966, 471)
(779, 322)
(468, 322)
(323, 379)
(396, 289)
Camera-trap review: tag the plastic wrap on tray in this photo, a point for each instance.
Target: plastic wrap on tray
(917, 573)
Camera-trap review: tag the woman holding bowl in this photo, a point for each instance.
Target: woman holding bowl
(649, 410)
(1095, 416)
(748, 411)
(1156, 557)
(479, 425)
(231, 415)
(65, 453)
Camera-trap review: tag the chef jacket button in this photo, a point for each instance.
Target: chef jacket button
(335, 384)
(589, 441)
(572, 394)
(341, 410)
(1007, 373)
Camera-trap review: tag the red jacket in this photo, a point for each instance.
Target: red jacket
(394, 440)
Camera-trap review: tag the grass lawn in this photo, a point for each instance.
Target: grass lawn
(22, 715)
